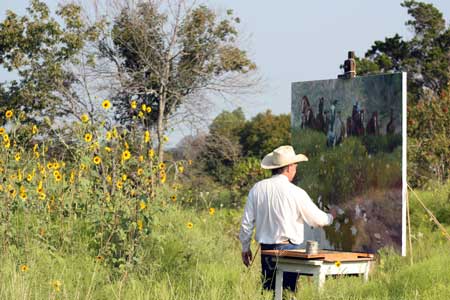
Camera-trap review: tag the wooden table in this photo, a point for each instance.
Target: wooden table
(319, 265)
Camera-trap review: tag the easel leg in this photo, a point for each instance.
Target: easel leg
(320, 278)
(279, 285)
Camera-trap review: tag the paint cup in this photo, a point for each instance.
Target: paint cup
(312, 247)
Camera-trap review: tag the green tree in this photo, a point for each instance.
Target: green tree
(166, 58)
(425, 57)
(39, 48)
(222, 149)
(265, 132)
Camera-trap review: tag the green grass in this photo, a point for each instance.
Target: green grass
(204, 263)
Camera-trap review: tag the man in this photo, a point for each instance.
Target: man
(279, 210)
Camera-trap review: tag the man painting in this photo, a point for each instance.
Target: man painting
(279, 209)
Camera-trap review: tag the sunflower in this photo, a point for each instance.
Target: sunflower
(24, 268)
(142, 205)
(108, 135)
(140, 171)
(34, 129)
(149, 109)
(212, 211)
(88, 137)
(17, 157)
(126, 155)
(180, 169)
(99, 258)
(141, 114)
(106, 104)
(9, 114)
(119, 184)
(84, 118)
(151, 153)
(23, 196)
(133, 104)
(2, 130)
(144, 107)
(56, 284)
(173, 198)
(124, 177)
(140, 225)
(97, 160)
(337, 263)
(42, 196)
(162, 166)
(147, 136)
(108, 149)
(189, 225)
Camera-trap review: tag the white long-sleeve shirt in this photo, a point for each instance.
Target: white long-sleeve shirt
(279, 210)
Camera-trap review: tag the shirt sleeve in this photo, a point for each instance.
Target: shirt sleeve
(311, 214)
(247, 224)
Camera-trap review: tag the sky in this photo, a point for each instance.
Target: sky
(296, 40)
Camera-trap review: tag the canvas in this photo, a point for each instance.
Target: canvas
(353, 132)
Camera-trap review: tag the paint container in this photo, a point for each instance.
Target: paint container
(312, 247)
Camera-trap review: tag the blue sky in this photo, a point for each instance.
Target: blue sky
(298, 40)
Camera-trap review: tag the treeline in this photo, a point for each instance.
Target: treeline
(230, 153)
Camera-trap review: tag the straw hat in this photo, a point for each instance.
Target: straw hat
(280, 157)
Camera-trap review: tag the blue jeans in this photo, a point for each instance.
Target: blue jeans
(268, 266)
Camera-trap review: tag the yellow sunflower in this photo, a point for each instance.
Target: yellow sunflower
(174, 198)
(84, 118)
(133, 104)
(106, 104)
(119, 184)
(34, 129)
(17, 157)
(212, 211)
(97, 160)
(24, 268)
(126, 155)
(142, 205)
(88, 137)
(189, 225)
(9, 114)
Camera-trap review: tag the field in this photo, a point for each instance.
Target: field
(99, 216)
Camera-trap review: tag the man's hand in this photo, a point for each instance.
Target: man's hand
(247, 257)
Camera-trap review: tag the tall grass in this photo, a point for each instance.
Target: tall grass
(203, 262)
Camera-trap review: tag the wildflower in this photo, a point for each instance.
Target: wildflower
(163, 178)
(141, 158)
(140, 171)
(17, 157)
(12, 191)
(9, 114)
(58, 177)
(140, 225)
(56, 165)
(119, 184)
(189, 225)
(165, 139)
(142, 205)
(23, 196)
(99, 258)
(34, 130)
(72, 177)
(84, 118)
(40, 189)
(126, 155)
(5, 137)
(106, 104)
(133, 104)
(108, 135)
(24, 268)
(174, 198)
(41, 231)
(337, 263)
(151, 153)
(141, 115)
(149, 109)
(42, 196)
(189, 162)
(2, 130)
(147, 136)
(180, 169)
(162, 166)
(124, 177)
(97, 160)
(88, 137)
(56, 284)
(144, 107)
(56, 173)
(29, 177)
(108, 149)
(212, 211)
(108, 178)
(115, 134)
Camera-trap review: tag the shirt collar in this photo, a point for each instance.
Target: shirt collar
(281, 176)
